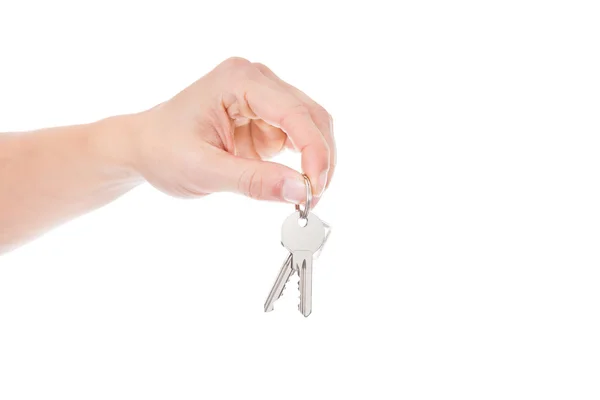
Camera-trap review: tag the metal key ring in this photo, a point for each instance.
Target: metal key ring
(304, 213)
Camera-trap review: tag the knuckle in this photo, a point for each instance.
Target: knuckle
(294, 111)
(244, 71)
(251, 184)
(236, 62)
(262, 68)
(298, 109)
(321, 114)
(235, 70)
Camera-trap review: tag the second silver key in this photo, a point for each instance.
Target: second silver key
(303, 237)
(283, 277)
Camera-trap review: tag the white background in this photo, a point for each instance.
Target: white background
(464, 258)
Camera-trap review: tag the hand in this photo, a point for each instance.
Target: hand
(215, 135)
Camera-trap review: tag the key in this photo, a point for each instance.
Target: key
(304, 235)
(303, 242)
(277, 290)
(287, 270)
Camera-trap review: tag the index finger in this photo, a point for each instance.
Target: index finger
(319, 115)
(281, 108)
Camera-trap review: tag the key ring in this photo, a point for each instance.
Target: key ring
(304, 213)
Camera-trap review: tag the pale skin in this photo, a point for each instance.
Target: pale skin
(214, 136)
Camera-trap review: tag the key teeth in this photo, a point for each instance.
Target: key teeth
(299, 297)
(282, 290)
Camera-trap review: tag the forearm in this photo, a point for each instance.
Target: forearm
(50, 176)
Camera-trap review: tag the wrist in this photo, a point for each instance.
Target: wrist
(113, 141)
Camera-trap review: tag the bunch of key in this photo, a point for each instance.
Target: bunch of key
(304, 235)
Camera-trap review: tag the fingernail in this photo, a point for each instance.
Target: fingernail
(322, 182)
(293, 191)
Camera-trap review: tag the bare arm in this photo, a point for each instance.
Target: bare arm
(215, 135)
(50, 176)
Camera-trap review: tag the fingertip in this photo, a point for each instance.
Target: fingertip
(322, 183)
(318, 182)
(315, 201)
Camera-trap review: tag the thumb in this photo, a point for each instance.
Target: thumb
(261, 180)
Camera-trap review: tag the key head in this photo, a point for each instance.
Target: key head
(309, 237)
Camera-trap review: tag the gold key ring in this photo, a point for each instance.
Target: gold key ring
(304, 212)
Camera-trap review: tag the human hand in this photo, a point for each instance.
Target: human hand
(216, 134)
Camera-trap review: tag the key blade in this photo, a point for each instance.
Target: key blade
(282, 278)
(303, 261)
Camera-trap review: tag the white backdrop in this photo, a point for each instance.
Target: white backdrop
(464, 256)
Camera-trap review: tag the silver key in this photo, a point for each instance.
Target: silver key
(303, 242)
(304, 235)
(287, 270)
(279, 285)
